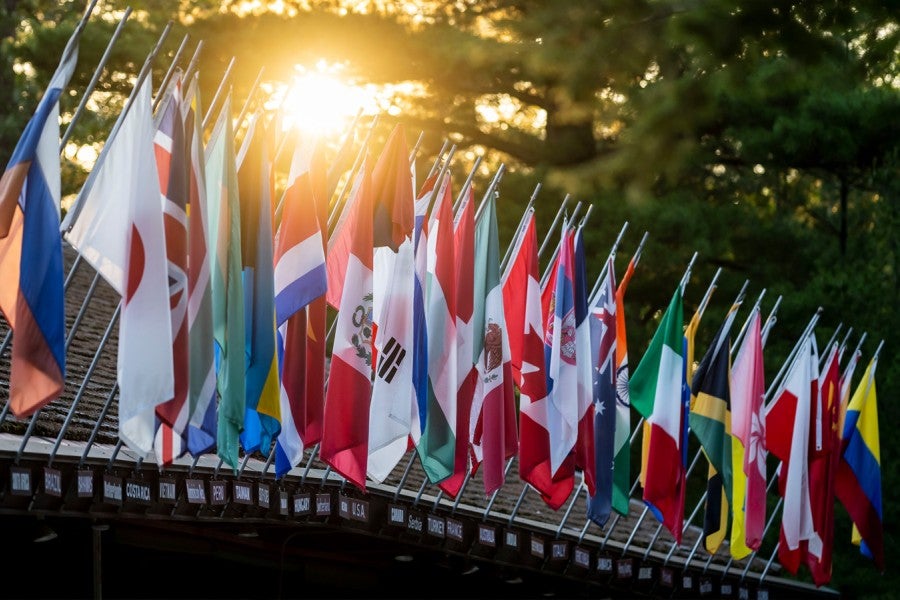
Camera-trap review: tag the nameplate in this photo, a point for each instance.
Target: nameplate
(487, 535)
(455, 529)
(743, 593)
(218, 493)
(20, 481)
(582, 557)
(645, 573)
(112, 489)
(559, 550)
(52, 482)
(323, 505)
(706, 587)
(397, 515)
(762, 594)
(137, 491)
(687, 582)
(436, 526)
(262, 495)
(537, 546)
(302, 505)
(511, 539)
(284, 508)
(726, 589)
(168, 492)
(353, 509)
(667, 577)
(415, 522)
(242, 492)
(195, 490)
(624, 568)
(85, 479)
(604, 564)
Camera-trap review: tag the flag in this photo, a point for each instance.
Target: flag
(656, 390)
(603, 357)
(584, 368)
(345, 430)
(492, 424)
(859, 472)
(339, 245)
(31, 260)
(710, 420)
(466, 374)
(420, 331)
(621, 492)
(300, 282)
(227, 290)
(172, 167)
(526, 340)
(262, 411)
(823, 465)
(125, 242)
(393, 395)
(748, 448)
(787, 437)
(201, 429)
(437, 448)
(561, 348)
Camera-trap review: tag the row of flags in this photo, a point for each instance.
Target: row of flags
(439, 346)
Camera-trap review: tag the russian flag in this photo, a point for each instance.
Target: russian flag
(31, 261)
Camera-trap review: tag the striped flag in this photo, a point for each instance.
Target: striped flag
(300, 282)
(657, 391)
(420, 331)
(31, 261)
(172, 167)
(622, 471)
(262, 412)
(584, 367)
(492, 424)
(201, 429)
(227, 290)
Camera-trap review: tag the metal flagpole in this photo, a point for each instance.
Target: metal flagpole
(512, 243)
(552, 228)
(336, 202)
(192, 65)
(566, 223)
(249, 101)
(165, 81)
(611, 256)
(466, 185)
(437, 159)
(492, 188)
(215, 100)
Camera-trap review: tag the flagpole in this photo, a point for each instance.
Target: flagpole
(94, 78)
(847, 368)
(336, 201)
(437, 159)
(162, 86)
(512, 243)
(610, 256)
(415, 148)
(566, 223)
(492, 188)
(466, 185)
(144, 72)
(192, 65)
(743, 330)
(559, 214)
(687, 274)
(784, 367)
(248, 102)
(215, 100)
(437, 183)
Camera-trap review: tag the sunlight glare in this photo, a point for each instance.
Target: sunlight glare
(319, 102)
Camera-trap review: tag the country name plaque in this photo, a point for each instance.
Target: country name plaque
(195, 491)
(112, 489)
(20, 481)
(242, 492)
(53, 482)
(85, 483)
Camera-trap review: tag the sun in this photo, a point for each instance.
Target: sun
(320, 102)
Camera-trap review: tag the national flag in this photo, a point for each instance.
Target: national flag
(787, 437)
(420, 332)
(300, 281)
(823, 464)
(172, 167)
(31, 260)
(262, 411)
(466, 374)
(437, 447)
(393, 395)
(748, 448)
(584, 368)
(561, 349)
(621, 497)
(525, 322)
(710, 420)
(201, 429)
(119, 230)
(227, 290)
(859, 472)
(345, 433)
(492, 423)
(603, 357)
(656, 390)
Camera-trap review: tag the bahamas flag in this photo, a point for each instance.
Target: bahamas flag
(31, 262)
(262, 412)
(859, 472)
